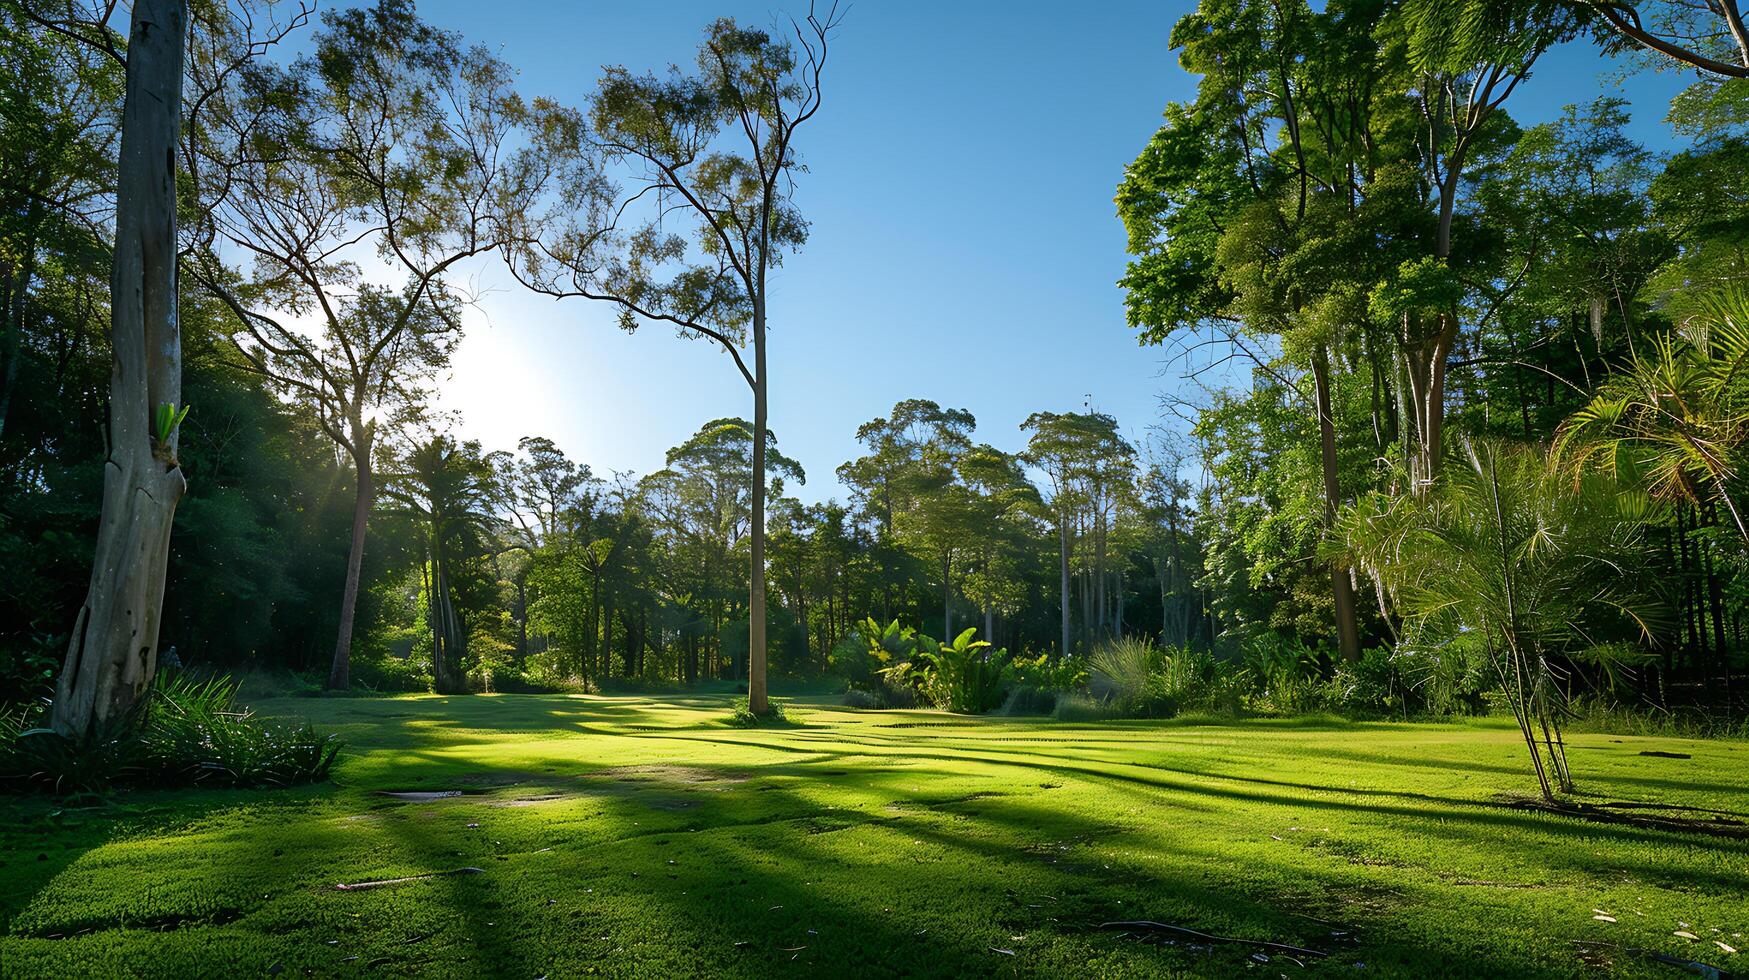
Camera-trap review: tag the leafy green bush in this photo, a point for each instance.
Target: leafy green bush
(1127, 676)
(390, 673)
(1079, 707)
(860, 698)
(966, 675)
(186, 732)
(1051, 673)
(743, 716)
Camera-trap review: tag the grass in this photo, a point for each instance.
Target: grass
(636, 836)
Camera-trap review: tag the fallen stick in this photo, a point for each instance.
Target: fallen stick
(1205, 937)
(362, 885)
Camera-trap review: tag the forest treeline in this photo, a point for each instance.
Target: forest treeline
(1488, 390)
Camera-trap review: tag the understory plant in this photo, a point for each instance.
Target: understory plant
(967, 675)
(187, 732)
(1517, 565)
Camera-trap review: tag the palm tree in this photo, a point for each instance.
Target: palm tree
(1675, 417)
(1510, 560)
(450, 489)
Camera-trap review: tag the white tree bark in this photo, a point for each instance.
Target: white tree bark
(113, 652)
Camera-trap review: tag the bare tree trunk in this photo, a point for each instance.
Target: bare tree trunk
(340, 673)
(1347, 632)
(946, 597)
(756, 693)
(113, 652)
(1063, 553)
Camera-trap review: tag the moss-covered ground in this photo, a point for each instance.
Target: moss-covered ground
(636, 836)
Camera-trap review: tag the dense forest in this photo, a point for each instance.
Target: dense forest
(1446, 480)
(1347, 211)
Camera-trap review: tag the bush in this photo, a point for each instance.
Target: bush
(966, 675)
(743, 716)
(186, 732)
(1026, 699)
(859, 698)
(1128, 677)
(1080, 707)
(1050, 672)
(390, 673)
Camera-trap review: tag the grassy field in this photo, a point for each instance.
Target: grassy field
(632, 836)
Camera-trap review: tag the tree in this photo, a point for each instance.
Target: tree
(1674, 418)
(113, 652)
(1709, 36)
(707, 497)
(676, 133)
(1512, 559)
(450, 489)
(1083, 458)
(391, 142)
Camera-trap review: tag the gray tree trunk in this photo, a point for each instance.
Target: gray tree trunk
(1063, 550)
(1347, 631)
(340, 672)
(756, 690)
(113, 652)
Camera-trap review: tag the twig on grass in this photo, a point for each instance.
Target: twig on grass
(1205, 937)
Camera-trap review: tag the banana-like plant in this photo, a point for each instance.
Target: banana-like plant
(966, 675)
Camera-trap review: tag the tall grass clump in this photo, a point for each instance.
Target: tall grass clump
(187, 732)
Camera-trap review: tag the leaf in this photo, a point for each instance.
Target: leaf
(1685, 934)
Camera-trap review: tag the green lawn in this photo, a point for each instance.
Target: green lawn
(634, 836)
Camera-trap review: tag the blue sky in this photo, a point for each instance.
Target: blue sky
(964, 244)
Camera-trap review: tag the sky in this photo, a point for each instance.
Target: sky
(963, 248)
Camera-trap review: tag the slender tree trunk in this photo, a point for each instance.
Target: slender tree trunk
(340, 672)
(113, 651)
(756, 693)
(946, 597)
(1063, 554)
(1347, 632)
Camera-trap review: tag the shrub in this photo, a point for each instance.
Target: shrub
(1126, 675)
(187, 732)
(859, 698)
(1026, 699)
(966, 675)
(1050, 672)
(743, 716)
(1080, 707)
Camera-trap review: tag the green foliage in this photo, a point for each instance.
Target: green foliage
(1125, 677)
(741, 715)
(188, 732)
(1051, 673)
(1028, 699)
(966, 676)
(1511, 558)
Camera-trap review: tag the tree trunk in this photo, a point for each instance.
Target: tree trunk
(340, 673)
(1063, 567)
(756, 693)
(1347, 632)
(113, 651)
(946, 597)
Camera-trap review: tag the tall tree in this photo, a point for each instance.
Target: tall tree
(450, 489)
(114, 647)
(392, 143)
(679, 136)
(1080, 455)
